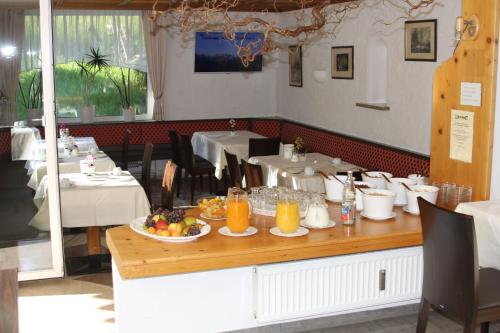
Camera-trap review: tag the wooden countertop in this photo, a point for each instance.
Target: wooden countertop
(138, 256)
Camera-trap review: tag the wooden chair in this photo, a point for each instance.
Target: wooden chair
(453, 283)
(253, 174)
(125, 149)
(234, 170)
(176, 157)
(195, 166)
(263, 147)
(146, 169)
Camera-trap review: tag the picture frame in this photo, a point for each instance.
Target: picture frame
(421, 40)
(343, 62)
(295, 65)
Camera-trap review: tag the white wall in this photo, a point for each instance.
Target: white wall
(191, 95)
(331, 105)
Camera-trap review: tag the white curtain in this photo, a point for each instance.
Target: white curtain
(155, 42)
(11, 48)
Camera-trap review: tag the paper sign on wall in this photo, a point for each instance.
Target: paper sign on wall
(461, 135)
(470, 94)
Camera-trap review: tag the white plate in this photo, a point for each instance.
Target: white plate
(393, 215)
(295, 170)
(301, 231)
(212, 218)
(137, 226)
(249, 232)
(405, 209)
(330, 224)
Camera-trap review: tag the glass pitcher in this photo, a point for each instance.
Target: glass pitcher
(237, 210)
(317, 212)
(287, 213)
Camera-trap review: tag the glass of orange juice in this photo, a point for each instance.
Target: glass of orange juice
(237, 210)
(287, 214)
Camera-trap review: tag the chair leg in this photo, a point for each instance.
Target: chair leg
(423, 315)
(485, 327)
(191, 197)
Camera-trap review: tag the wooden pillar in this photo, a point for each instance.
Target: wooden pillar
(473, 61)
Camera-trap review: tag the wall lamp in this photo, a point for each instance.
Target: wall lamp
(466, 29)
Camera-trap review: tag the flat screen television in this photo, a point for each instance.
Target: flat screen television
(214, 53)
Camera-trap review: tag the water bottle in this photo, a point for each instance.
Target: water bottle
(348, 215)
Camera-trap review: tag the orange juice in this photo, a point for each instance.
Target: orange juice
(287, 216)
(237, 215)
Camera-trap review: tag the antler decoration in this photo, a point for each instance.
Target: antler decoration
(215, 15)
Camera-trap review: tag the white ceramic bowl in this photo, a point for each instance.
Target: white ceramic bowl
(334, 188)
(376, 178)
(427, 192)
(418, 178)
(396, 185)
(378, 203)
(359, 195)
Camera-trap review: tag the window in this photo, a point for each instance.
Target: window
(117, 35)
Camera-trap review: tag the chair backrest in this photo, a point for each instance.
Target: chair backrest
(146, 168)
(169, 185)
(451, 273)
(263, 147)
(125, 148)
(187, 152)
(234, 169)
(253, 174)
(174, 144)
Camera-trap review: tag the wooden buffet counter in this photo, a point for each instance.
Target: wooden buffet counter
(237, 283)
(138, 256)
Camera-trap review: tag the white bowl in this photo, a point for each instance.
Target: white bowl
(418, 178)
(396, 185)
(427, 192)
(378, 203)
(359, 195)
(376, 178)
(334, 188)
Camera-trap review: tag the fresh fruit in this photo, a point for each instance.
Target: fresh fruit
(152, 230)
(164, 232)
(189, 220)
(214, 207)
(155, 218)
(161, 224)
(158, 232)
(175, 229)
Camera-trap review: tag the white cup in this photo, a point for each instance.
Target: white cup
(359, 195)
(308, 171)
(378, 203)
(419, 179)
(427, 192)
(396, 185)
(336, 160)
(334, 188)
(287, 151)
(117, 171)
(376, 178)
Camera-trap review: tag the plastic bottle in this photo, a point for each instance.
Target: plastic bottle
(348, 215)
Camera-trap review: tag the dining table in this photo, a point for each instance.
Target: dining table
(211, 146)
(279, 171)
(84, 145)
(92, 201)
(487, 226)
(22, 142)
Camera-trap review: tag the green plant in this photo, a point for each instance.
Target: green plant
(31, 96)
(123, 85)
(90, 65)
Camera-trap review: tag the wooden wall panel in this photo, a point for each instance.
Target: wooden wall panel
(473, 61)
(8, 301)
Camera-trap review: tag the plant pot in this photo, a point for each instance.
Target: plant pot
(129, 114)
(87, 114)
(34, 117)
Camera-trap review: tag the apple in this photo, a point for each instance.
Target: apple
(175, 229)
(161, 224)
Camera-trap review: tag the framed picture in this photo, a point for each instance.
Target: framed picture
(421, 40)
(343, 62)
(295, 65)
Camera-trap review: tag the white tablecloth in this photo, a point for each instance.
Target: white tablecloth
(23, 140)
(278, 171)
(98, 200)
(38, 169)
(39, 149)
(487, 224)
(211, 146)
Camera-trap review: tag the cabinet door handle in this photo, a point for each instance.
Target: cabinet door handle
(381, 279)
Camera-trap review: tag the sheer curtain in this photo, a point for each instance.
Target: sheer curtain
(11, 45)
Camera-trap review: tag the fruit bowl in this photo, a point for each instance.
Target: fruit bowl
(212, 208)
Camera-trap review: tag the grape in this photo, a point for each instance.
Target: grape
(175, 216)
(149, 222)
(193, 231)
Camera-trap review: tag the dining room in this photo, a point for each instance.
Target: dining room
(302, 164)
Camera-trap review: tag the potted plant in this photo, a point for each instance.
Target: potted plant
(123, 86)
(90, 65)
(32, 98)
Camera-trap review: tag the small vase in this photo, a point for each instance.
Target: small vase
(128, 114)
(35, 117)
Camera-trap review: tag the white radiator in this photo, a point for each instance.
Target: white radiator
(314, 287)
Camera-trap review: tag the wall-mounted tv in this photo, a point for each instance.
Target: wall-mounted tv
(214, 53)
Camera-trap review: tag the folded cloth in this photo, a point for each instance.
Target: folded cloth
(168, 175)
